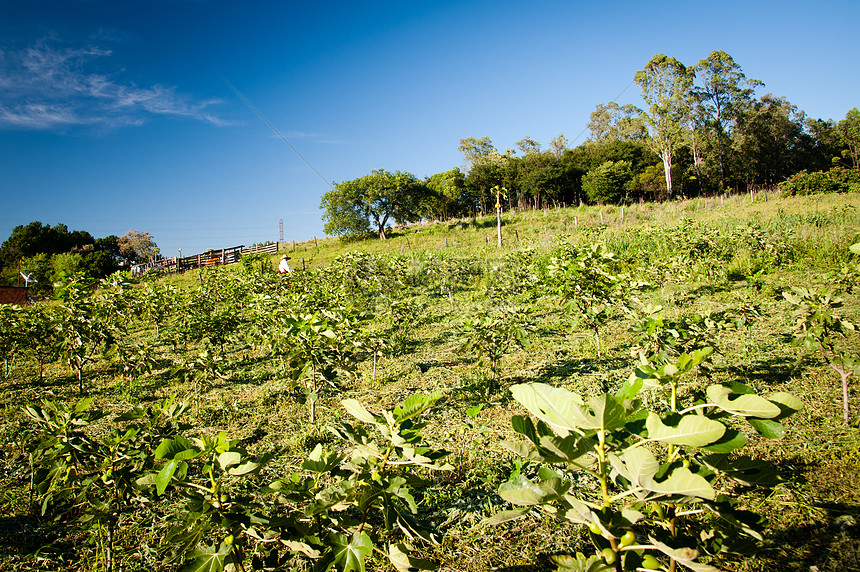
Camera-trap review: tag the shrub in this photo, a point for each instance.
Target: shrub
(836, 180)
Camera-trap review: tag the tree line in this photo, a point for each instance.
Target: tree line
(43, 253)
(702, 132)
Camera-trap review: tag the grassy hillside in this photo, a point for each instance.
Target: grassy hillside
(415, 302)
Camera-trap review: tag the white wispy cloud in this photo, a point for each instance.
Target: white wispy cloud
(45, 87)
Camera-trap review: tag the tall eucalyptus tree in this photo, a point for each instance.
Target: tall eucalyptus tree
(665, 83)
(724, 92)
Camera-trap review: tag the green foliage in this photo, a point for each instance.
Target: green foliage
(95, 478)
(586, 278)
(653, 469)
(352, 206)
(322, 513)
(320, 348)
(492, 335)
(257, 263)
(273, 492)
(83, 326)
(608, 183)
(836, 180)
(819, 325)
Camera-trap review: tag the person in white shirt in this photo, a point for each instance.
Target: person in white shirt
(284, 266)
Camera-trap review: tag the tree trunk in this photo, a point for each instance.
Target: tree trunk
(666, 155)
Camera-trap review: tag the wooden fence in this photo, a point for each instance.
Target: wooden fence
(204, 259)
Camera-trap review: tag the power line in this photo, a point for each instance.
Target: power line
(272, 127)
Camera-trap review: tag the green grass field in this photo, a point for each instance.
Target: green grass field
(416, 293)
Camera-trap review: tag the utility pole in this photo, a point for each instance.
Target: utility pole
(280, 231)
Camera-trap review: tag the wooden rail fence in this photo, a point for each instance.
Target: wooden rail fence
(204, 259)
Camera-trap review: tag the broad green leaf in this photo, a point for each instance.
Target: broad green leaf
(348, 553)
(787, 403)
(506, 515)
(730, 441)
(639, 466)
(209, 558)
(170, 448)
(768, 428)
(748, 405)
(357, 410)
(566, 410)
(165, 475)
(683, 482)
(552, 405)
(747, 471)
(746, 521)
(521, 491)
(855, 248)
(629, 389)
(684, 556)
(525, 426)
(570, 449)
(398, 555)
(692, 430)
(635, 465)
(415, 405)
(229, 458)
(83, 404)
(245, 468)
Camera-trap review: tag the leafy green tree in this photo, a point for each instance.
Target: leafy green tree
(66, 263)
(612, 122)
(849, 133)
(445, 198)
(351, 206)
(609, 183)
(528, 145)
(10, 334)
(771, 142)
(476, 150)
(724, 91)
(491, 336)
(819, 324)
(665, 83)
(480, 180)
(558, 146)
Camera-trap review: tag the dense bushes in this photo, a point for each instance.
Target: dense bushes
(836, 180)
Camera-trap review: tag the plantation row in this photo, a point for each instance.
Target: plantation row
(653, 463)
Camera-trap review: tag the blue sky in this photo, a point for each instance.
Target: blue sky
(118, 115)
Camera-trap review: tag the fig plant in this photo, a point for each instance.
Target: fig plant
(819, 325)
(491, 336)
(586, 279)
(660, 497)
